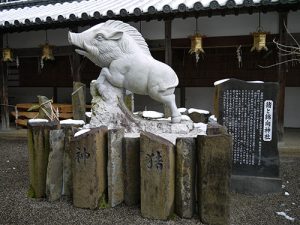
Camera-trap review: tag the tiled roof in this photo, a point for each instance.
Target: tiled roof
(21, 13)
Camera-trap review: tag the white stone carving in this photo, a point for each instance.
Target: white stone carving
(126, 62)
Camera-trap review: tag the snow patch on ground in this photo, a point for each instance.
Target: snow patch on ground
(73, 122)
(152, 114)
(191, 110)
(38, 121)
(202, 126)
(220, 81)
(255, 82)
(81, 132)
(285, 216)
(182, 110)
(185, 118)
(212, 118)
(132, 135)
(88, 114)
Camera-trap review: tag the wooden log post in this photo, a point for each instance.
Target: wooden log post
(89, 168)
(38, 151)
(185, 170)
(157, 161)
(69, 131)
(79, 91)
(214, 170)
(115, 167)
(54, 181)
(59, 175)
(131, 168)
(78, 101)
(3, 90)
(282, 72)
(168, 55)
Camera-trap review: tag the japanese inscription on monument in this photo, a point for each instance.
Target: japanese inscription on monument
(248, 111)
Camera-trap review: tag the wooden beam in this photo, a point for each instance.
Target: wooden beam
(168, 54)
(182, 96)
(282, 71)
(75, 61)
(168, 42)
(3, 92)
(36, 52)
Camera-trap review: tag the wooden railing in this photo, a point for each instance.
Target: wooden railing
(22, 115)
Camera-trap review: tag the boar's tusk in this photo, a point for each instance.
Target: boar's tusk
(81, 52)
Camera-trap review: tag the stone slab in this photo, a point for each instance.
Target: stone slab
(249, 111)
(89, 168)
(115, 167)
(67, 162)
(214, 170)
(185, 170)
(54, 181)
(157, 161)
(131, 169)
(255, 185)
(38, 153)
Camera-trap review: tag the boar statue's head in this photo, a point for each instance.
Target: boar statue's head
(108, 41)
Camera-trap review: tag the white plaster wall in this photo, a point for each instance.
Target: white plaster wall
(294, 22)
(199, 98)
(230, 25)
(33, 39)
(144, 102)
(292, 107)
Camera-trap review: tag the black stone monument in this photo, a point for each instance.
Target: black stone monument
(249, 111)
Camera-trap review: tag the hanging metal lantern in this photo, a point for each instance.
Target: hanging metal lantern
(196, 45)
(47, 53)
(7, 55)
(259, 38)
(259, 41)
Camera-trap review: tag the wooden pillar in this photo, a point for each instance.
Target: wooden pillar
(55, 94)
(182, 97)
(168, 54)
(168, 39)
(3, 90)
(281, 74)
(79, 90)
(75, 61)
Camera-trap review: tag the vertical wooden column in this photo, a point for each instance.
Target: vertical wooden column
(3, 90)
(168, 39)
(168, 54)
(182, 96)
(281, 74)
(75, 61)
(79, 90)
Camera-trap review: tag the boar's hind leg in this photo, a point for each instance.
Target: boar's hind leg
(168, 98)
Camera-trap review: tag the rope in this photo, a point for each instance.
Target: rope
(74, 92)
(16, 111)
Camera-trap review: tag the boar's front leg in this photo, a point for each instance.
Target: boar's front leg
(113, 76)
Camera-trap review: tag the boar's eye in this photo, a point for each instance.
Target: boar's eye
(99, 37)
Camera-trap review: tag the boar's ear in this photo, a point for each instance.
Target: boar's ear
(116, 35)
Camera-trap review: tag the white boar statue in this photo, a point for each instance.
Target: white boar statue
(126, 62)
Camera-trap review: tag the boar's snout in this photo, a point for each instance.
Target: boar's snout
(75, 39)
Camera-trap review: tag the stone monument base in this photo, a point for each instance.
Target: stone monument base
(255, 185)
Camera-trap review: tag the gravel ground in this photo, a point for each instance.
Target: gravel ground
(17, 208)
